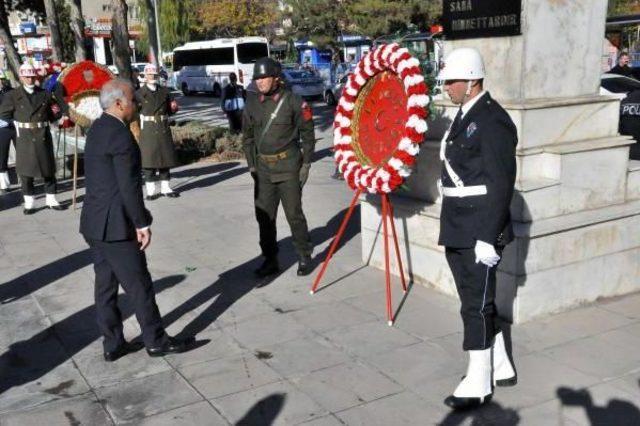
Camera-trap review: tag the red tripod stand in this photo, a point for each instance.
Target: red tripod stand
(387, 215)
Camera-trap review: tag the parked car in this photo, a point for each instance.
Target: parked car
(628, 90)
(334, 92)
(304, 83)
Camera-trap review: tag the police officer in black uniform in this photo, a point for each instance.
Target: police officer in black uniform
(478, 175)
(7, 134)
(630, 121)
(278, 142)
(31, 109)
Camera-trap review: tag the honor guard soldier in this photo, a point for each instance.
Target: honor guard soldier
(7, 134)
(478, 175)
(278, 141)
(31, 109)
(156, 142)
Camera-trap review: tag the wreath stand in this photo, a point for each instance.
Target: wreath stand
(387, 215)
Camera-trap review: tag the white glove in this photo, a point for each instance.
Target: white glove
(3, 124)
(486, 254)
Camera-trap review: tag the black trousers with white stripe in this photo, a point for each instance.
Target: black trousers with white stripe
(476, 285)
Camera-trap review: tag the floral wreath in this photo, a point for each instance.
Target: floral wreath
(392, 174)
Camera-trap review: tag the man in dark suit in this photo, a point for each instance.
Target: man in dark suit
(478, 175)
(116, 225)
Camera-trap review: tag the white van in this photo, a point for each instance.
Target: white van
(204, 66)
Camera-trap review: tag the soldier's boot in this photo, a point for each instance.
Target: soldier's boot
(475, 388)
(166, 190)
(29, 201)
(305, 266)
(270, 266)
(5, 183)
(503, 372)
(52, 203)
(151, 190)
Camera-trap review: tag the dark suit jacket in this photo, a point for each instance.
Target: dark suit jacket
(482, 152)
(113, 206)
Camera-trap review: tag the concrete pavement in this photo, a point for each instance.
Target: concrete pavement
(275, 354)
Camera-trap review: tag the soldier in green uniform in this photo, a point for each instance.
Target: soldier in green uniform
(31, 109)
(278, 141)
(156, 143)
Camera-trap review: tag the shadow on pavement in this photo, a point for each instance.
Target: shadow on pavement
(38, 278)
(489, 414)
(235, 283)
(617, 411)
(31, 359)
(204, 170)
(265, 411)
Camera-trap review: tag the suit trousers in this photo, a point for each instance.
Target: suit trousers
(476, 285)
(267, 197)
(29, 189)
(123, 262)
(154, 175)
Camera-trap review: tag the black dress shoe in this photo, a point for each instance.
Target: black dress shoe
(173, 346)
(464, 403)
(172, 194)
(152, 197)
(28, 211)
(304, 266)
(121, 351)
(57, 208)
(505, 383)
(269, 267)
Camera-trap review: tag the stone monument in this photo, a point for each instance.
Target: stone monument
(576, 209)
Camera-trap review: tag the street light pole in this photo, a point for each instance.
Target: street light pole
(155, 11)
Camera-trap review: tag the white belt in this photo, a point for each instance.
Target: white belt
(154, 118)
(30, 125)
(464, 191)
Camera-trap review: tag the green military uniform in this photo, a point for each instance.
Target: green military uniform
(277, 158)
(156, 142)
(31, 114)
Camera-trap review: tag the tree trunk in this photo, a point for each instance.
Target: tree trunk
(120, 37)
(151, 30)
(54, 30)
(10, 51)
(77, 27)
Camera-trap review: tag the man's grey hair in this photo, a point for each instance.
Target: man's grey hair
(112, 91)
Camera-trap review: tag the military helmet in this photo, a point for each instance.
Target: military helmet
(266, 67)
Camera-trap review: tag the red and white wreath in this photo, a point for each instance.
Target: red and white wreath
(386, 177)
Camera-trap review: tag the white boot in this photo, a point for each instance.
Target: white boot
(166, 190)
(503, 372)
(477, 382)
(29, 202)
(151, 189)
(52, 203)
(5, 183)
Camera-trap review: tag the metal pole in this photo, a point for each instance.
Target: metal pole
(155, 11)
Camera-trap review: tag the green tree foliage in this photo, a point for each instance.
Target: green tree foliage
(322, 21)
(66, 34)
(235, 18)
(623, 7)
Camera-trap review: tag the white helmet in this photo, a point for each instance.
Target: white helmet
(150, 69)
(27, 70)
(464, 63)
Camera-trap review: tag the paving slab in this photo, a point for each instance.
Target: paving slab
(82, 410)
(229, 375)
(134, 400)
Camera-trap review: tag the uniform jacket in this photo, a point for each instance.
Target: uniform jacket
(292, 131)
(113, 206)
(34, 147)
(156, 142)
(630, 121)
(481, 150)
